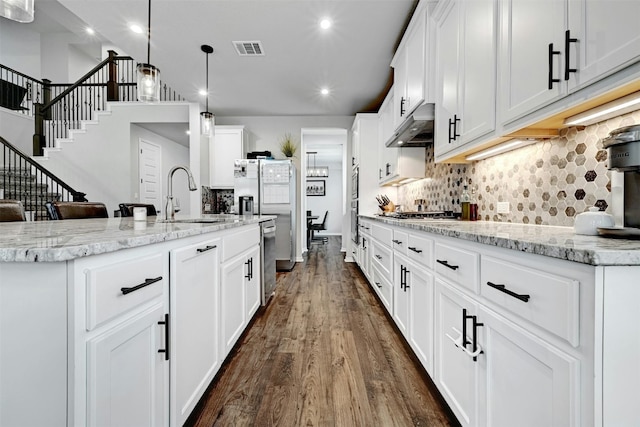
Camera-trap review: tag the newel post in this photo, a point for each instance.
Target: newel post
(112, 82)
(39, 139)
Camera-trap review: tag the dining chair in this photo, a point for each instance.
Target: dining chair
(320, 227)
(79, 210)
(126, 209)
(11, 210)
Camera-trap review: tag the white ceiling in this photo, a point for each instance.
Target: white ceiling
(351, 58)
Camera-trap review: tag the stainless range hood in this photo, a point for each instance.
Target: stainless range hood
(416, 130)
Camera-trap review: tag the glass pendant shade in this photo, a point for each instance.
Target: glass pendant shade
(206, 123)
(148, 83)
(17, 10)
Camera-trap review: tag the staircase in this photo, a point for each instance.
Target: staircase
(62, 114)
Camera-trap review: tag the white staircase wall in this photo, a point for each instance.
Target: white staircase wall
(102, 161)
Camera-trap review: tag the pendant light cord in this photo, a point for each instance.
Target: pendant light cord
(149, 35)
(207, 79)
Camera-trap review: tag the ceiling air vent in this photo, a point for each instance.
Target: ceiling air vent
(249, 48)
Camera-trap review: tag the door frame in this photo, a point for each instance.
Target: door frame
(142, 141)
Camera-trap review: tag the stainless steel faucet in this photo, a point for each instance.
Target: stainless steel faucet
(170, 210)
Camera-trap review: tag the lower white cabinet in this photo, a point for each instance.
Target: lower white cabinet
(524, 378)
(127, 376)
(194, 299)
(240, 291)
(421, 315)
(401, 293)
(457, 373)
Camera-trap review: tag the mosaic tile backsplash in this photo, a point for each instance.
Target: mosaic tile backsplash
(548, 182)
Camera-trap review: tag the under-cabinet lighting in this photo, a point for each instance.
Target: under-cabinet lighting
(502, 148)
(406, 181)
(620, 106)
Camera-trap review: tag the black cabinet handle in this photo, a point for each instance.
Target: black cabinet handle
(502, 288)
(165, 350)
(147, 282)
(455, 127)
(378, 284)
(446, 264)
(206, 248)
(388, 168)
(353, 161)
(406, 271)
(248, 264)
(418, 251)
(364, 243)
(378, 256)
(567, 44)
(474, 335)
(402, 109)
(451, 138)
(397, 242)
(379, 173)
(551, 54)
(464, 327)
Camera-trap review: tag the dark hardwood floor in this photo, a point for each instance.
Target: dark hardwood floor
(321, 354)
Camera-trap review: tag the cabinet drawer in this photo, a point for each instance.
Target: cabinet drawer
(120, 287)
(458, 265)
(239, 241)
(382, 257)
(400, 241)
(383, 288)
(541, 297)
(382, 234)
(420, 249)
(365, 227)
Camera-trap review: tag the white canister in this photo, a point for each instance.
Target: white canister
(587, 223)
(139, 214)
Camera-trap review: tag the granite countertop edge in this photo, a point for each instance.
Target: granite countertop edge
(55, 241)
(552, 241)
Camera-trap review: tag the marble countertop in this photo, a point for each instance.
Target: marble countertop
(51, 241)
(552, 241)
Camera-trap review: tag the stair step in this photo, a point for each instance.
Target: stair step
(35, 198)
(13, 171)
(20, 180)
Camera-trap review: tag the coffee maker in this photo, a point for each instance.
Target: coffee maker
(623, 148)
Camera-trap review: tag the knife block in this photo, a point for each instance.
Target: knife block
(388, 208)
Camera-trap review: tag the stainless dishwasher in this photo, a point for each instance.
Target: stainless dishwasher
(268, 259)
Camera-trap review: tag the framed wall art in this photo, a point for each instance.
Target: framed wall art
(315, 187)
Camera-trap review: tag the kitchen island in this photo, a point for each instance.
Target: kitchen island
(516, 324)
(120, 322)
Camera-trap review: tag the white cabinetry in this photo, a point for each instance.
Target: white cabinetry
(607, 38)
(409, 63)
(122, 348)
(194, 298)
(387, 157)
(228, 144)
(466, 49)
(240, 285)
(365, 139)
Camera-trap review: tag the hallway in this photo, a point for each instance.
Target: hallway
(321, 354)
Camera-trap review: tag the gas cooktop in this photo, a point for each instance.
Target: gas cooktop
(421, 215)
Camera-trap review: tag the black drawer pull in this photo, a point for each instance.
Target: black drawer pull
(551, 54)
(418, 251)
(378, 284)
(446, 264)
(502, 288)
(397, 242)
(567, 45)
(378, 256)
(147, 282)
(206, 248)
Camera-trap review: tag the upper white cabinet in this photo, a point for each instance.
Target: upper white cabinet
(409, 63)
(227, 145)
(607, 38)
(465, 52)
(550, 48)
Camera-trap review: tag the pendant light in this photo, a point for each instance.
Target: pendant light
(17, 10)
(148, 81)
(206, 118)
(316, 171)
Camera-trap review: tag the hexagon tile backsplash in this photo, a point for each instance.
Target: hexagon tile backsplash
(548, 182)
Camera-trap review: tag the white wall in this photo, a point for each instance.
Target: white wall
(20, 48)
(17, 129)
(332, 201)
(265, 133)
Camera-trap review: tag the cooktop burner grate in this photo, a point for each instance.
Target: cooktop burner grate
(421, 215)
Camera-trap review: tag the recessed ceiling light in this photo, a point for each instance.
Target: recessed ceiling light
(90, 31)
(188, 132)
(203, 92)
(325, 24)
(324, 91)
(136, 28)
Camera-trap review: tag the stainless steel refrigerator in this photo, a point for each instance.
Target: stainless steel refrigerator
(272, 183)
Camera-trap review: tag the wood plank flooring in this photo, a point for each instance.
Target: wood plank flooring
(322, 354)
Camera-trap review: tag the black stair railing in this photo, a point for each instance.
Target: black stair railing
(21, 178)
(18, 92)
(65, 106)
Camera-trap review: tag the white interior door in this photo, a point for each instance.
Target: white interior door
(149, 168)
